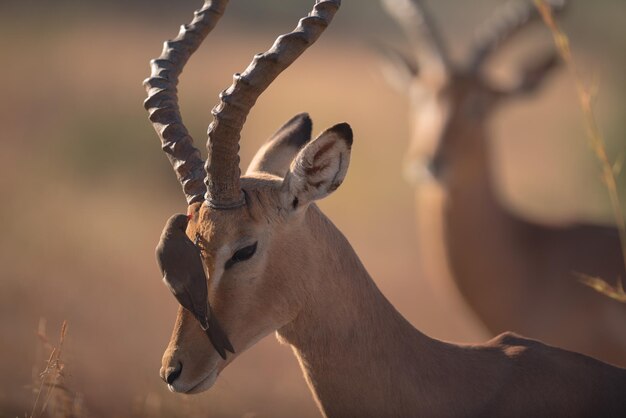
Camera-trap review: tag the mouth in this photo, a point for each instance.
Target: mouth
(203, 385)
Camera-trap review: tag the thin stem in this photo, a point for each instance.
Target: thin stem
(596, 141)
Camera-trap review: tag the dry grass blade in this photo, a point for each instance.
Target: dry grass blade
(50, 388)
(614, 292)
(597, 144)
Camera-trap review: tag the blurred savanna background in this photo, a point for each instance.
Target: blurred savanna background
(86, 189)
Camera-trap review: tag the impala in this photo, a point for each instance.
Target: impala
(515, 274)
(275, 263)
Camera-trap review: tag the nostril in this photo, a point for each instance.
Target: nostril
(172, 373)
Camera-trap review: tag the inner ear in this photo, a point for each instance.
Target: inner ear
(399, 70)
(280, 149)
(532, 75)
(319, 168)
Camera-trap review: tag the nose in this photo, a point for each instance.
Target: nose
(170, 374)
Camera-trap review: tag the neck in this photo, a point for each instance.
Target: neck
(473, 209)
(472, 199)
(359, 355)
(470, 175)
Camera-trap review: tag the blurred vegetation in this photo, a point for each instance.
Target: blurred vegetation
(611, 168)
(268, 13)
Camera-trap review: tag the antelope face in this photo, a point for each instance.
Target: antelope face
(427, 125)
(251, 256)
(448, 120)
(245, 297)
(245, 227)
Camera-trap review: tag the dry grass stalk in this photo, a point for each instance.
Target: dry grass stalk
(586, 94)
(53, 397)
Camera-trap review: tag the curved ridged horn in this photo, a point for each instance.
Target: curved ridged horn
(506, 21)
(162, 101)
(222, 166)
(421, 29)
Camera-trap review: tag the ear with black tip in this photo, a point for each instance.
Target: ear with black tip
(532, 76)
(277, 153)
(319, 168)
(398, 69)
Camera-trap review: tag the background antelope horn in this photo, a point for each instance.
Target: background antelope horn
(420, 28)
(503, 25)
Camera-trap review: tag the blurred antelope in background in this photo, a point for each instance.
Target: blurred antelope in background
(515, 274)
(274, 262)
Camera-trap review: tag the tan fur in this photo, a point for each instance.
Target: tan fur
(515, 274)
(360, 357)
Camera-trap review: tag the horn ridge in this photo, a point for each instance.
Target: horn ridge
(222, 165)
(162, 100)
(507, 20)
(422, 31)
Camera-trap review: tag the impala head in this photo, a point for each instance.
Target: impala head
(247, 228)
(452, 102)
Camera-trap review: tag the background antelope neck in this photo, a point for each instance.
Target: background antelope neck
(515, 270)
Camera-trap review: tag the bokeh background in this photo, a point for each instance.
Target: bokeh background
(85, 188)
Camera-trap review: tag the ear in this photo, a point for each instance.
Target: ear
(319, 168)
(532, 76)
(277, 153)
(398, 69)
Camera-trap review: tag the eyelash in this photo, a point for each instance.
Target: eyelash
(242, 254)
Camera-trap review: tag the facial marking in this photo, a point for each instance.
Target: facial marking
(428, 128)
(221, 256)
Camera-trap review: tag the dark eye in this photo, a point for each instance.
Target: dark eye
(242, 254)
